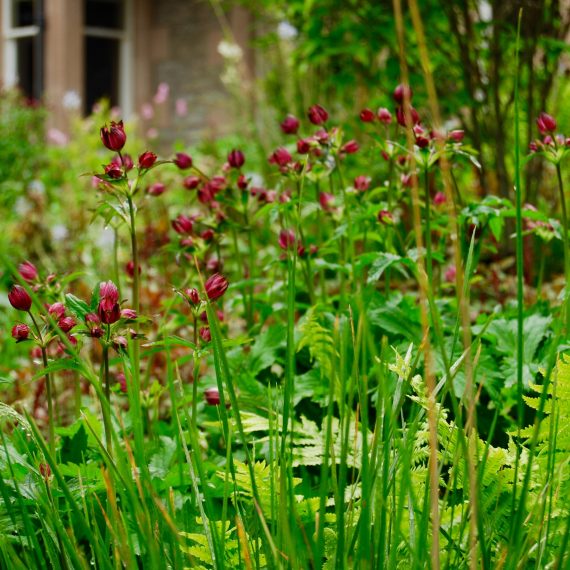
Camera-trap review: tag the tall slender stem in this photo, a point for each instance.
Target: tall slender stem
(106, 405)
(565, 246)
(429, 258)
(136, 276)
(51, 419)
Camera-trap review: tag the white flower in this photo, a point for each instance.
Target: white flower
(286, 31)
(71, 100)
(230, 50)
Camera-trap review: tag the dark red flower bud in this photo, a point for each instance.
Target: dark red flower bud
(127, 162)
(290, 125)
(28, 271)
(322, 137)
(216, 286)
(350, 147)
(457, 135)
(96, 332)
(45, 471)
(367, 115)
(113, 170)
(128, 314)
(19, 298)
(385, 217)
(156, 189)
(109, 316)
(422, 141)
(213, 264)
(191, 182)
(546, 123)
(182, 224)
(384, 116)
(92, 319)
(20, 332)
(207, 234)
(120, 343)
(401, 116)
(56, 311)
(362, 183)
(187, 242)
(108, 293)
(242, 182)
(147, 159)
(217, 183)
(236, 159)
(533, 146)
(304, 146)
(317, 115)
(183, 160)
(114, 137)
(205, 334)
(402, 93)
(286, 239)
(122, 380)
(301, 251)
(439, 198)
(326, 201)
(66, 323)
(130, 268)
(193, 296)
(281, 157)
(212, 397)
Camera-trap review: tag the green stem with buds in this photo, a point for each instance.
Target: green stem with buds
(566, 250)
(51, 420)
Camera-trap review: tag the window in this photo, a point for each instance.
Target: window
(23, 46)
(107, 53)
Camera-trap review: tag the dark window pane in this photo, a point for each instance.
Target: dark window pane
(101, 71)
(23, 13)
(104, 14)
(29, 67)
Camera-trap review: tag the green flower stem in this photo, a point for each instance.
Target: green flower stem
(566, 250)
(136, 276)
(106, 403)
(49, 391)
(429, 258)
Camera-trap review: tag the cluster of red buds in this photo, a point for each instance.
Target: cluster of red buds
(287, 242)
(322, 143)
(553, 146)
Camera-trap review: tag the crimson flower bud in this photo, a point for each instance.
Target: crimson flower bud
(216, 286)
(350, 147)
(205, 334)
(127, 162)
(384, 116)
(322, 136)
(20, 332)
(212, 397)
(108, 293)
(19, 298)
(385, 217)
(326, 201)
(546, 123)
(207, 234)
(120, 342)
(96, 332)
(56, 311)
(242, 182)
(533, 146)
(182, 225)
(236, 159)
(457, 135)
(122, 380)
(130, 268)
(367, 115)
(92, 319)
(281, 157)
(450, 274)
(362, 183)
(213, 264)
(129, 314)
(183, 160)
(147, 159)
(113, 170)
(304, 146)
(401, 116)
(191, 182)
(109, 316)
(286, 239)
(301, 251)
(66, 323)
(156, 189)
(187, 242)
(114, 137)
(28, 271)
(317, 115)
(422, 141)
(290, 125)
(402, 93)
(439, 198)
(193, 296)
(45, 471)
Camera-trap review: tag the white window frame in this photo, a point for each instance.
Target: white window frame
(125, 37)
(10, 36)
